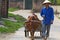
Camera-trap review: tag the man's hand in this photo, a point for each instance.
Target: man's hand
(51, 21)
(43, 16)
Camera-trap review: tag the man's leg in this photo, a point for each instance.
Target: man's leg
(48, 30)
(43, 30)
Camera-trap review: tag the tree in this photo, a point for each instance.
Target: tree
(52, 1)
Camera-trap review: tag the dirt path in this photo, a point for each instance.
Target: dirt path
(19, 35)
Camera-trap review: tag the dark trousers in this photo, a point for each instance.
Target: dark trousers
(45, 30)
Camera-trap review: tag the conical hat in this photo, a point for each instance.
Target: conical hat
(46, 1)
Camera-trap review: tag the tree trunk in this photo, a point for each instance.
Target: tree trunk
(4, 9)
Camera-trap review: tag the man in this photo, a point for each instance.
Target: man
(48, 17)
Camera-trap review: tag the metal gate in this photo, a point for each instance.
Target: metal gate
(28, 4)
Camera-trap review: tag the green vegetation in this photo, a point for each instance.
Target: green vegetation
(13, 9)
(57, 2)
(52, 1)
(11, 26)
(59, 17)
(17, 17)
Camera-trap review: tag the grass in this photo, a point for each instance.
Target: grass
(11, 15)
(13, 9)
(11, 26)
(17, 17)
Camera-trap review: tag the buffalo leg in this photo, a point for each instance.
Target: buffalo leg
(32, 35)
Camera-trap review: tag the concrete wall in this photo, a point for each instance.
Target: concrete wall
(16, 4)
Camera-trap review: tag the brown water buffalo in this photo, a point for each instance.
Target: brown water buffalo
(32, 24)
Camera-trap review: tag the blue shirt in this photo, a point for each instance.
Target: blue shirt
(48, 15)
